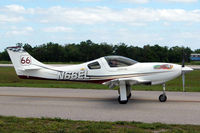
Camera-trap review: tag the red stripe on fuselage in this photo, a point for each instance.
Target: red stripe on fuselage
(89, 81)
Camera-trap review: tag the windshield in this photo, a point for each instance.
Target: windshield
(119, 61)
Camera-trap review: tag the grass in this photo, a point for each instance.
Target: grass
(57, 125)
(5, 62)
(8, 77)
(193, 63)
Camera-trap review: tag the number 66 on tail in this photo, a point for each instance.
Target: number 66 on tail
(25, 60)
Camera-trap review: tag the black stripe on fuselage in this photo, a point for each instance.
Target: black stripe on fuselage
(41, 78)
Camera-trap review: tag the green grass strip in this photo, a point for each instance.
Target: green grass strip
(57, 125)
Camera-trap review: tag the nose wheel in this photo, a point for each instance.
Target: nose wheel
(163, 97)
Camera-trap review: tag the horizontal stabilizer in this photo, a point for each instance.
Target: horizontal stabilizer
(29, 68)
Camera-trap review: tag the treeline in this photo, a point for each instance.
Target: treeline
(88, 50)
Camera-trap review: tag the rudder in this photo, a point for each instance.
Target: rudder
(22, 60)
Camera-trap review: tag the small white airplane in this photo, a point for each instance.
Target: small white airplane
(109, 70)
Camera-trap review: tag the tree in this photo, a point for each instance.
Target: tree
(4, 56)
(88, 50)
(197, 51)
(121, 49)
(72, 53)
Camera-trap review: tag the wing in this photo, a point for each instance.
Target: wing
(130, 81)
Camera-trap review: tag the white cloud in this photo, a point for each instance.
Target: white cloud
(179, 1)
(179, 15)
(44, 21)
(58, 29)
(8, 18)
(73, 15)
(15, 8)
(19, 31)
(135, 1)
(146, 1)
(166, 1)
(89, 0)
(133, 16)
(188, 35)
(136, 37)
(28, 28)
(12, 13)
(166, 24)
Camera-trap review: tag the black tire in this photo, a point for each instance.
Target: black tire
(129, 96)
(162, 98)
(122, 102)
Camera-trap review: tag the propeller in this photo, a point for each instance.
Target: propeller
(183, 72)
(185, 69)
(183, 80)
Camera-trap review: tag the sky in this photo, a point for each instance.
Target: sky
(134, 22)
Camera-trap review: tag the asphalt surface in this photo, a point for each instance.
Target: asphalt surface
(99, 105)
(6, 65)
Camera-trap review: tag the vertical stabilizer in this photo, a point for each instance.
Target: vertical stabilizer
(22, 60)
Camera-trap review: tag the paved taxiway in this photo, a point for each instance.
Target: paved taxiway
(99, 105)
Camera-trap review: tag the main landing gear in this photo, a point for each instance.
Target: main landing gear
(124, 101)
(124, 92)
(129, 96)
(163, 97)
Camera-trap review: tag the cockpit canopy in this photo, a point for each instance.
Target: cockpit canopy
(119, 61)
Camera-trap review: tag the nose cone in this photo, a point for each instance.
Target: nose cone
(186, 69)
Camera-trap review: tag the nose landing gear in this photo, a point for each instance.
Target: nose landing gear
(163, 97)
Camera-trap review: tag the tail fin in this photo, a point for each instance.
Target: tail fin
(22, 60)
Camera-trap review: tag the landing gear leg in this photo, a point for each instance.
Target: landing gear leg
(163, 97)
(128, 90)
(122, 99)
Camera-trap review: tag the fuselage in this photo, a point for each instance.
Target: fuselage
(154, 73)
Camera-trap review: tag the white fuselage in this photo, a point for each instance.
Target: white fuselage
(109, 70)
(137, 72)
